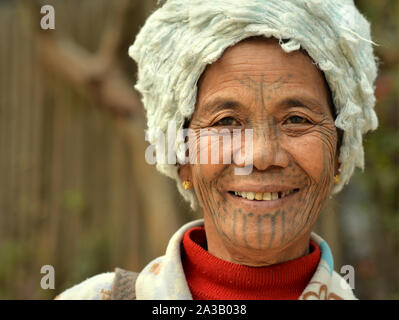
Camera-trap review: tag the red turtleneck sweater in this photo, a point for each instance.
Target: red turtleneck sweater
(210, 278)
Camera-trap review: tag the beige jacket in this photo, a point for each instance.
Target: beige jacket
(164, 279)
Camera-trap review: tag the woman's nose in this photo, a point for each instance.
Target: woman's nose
(267, 147)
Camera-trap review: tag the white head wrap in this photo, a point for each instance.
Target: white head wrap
(182, 37)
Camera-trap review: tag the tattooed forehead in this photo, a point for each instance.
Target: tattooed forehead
(262, 82)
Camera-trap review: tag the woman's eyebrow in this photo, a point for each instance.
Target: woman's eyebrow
(220, 104)
(308, 103)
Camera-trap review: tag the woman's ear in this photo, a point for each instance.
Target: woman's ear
(340, 135)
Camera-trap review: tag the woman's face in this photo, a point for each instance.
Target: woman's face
(263, 217)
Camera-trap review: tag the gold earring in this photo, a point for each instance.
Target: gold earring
(187, 185)
(337, 179)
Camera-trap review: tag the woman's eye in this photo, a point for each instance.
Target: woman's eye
(228, 121)
(297, 120)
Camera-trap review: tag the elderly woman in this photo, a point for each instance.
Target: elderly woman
(298, 76)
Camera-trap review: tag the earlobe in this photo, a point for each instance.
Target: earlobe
(184, 172)
(185, 177)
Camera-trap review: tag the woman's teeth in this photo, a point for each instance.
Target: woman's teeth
(266, 196)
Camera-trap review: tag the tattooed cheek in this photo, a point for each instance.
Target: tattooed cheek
(327, 141)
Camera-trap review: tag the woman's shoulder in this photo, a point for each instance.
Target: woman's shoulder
(98, 287)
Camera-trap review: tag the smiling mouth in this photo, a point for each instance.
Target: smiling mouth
(263, 196)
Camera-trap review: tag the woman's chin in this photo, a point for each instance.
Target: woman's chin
(259, 233)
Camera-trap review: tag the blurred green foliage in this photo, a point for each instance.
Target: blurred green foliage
(381, 175)
(382, 146)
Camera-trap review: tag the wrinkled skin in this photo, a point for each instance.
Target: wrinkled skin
(285, 100)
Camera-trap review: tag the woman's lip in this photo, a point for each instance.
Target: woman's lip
(259, 206)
